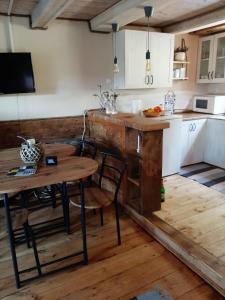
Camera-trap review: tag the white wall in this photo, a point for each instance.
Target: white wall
(69, 62)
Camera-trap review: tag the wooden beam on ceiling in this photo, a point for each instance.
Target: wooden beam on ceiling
(10, 7)
(47, 11)
(211, 30)
(207, 20)
(125, 12)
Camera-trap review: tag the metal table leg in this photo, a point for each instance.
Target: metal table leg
(11, 239)
(66, 211)
(83, 222)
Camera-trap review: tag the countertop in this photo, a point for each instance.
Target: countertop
(150, 124)
(186, 116)
(131, 120)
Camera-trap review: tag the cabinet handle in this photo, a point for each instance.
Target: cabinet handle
(208, 75)
(191, 127)
(147, 79)
(194, 126)
(151, 79)
(212, 75)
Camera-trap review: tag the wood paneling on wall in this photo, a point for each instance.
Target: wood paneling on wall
(41, 129)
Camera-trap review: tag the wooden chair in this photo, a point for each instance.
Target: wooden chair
(96, 196)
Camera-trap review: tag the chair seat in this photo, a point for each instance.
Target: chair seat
(95, 198)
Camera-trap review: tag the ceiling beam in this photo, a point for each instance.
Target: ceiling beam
(207, 20)
(125, 12)
(47, 11)
(10, 7)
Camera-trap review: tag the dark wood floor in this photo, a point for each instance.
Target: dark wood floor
(114, 272)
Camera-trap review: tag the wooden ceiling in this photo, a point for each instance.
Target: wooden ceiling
(78, 10)
(177, 11)
(172, 11)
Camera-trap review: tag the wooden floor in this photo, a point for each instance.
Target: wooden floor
(197, 213)
(114, 272)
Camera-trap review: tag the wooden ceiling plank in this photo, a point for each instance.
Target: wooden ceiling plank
(47, 11)
(125, 12)
(210, 19)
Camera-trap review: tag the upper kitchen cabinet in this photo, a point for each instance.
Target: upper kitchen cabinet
(211, 64)
(130, 50)
(205, 56)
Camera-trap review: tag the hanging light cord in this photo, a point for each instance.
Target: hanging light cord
(114, 34)
(148, 32)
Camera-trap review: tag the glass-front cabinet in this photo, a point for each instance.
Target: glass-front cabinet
(205, 59)
(211, 59)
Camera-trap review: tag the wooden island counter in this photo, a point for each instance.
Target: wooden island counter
(138, 139)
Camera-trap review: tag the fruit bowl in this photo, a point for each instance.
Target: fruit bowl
(148, 114)
(153, 112)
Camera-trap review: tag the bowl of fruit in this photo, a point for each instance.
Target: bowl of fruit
(153, 112)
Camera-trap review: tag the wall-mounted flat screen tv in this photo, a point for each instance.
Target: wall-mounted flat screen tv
(16, 73)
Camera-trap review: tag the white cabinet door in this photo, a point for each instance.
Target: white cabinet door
(185, 140)
(162, 49)
(172, 148)
(135, 59)
(193, 141)
(197, 141)
(130, 50)
(215, 148)
(205, 60)
(218, 72)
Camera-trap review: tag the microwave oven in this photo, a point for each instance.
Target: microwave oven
(209, 104)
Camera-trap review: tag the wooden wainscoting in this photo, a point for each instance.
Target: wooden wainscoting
(41, 129)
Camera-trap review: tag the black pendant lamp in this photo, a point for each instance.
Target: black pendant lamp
(148, 13)
(115, 60)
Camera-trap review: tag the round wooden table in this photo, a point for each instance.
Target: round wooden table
(59, 150)
(69, 168)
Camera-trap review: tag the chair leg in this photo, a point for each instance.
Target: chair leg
(101, 216)
(83, 222)
(117, 222)
(38, 265)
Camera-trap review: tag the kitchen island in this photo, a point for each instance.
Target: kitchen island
(139, 140)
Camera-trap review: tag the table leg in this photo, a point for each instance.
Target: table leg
(53, 196)
(11, 239)
(66, 210)
(83, 222)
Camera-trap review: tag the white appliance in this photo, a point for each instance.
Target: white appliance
(209, 104)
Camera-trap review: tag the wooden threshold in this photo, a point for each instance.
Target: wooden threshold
(194, 256)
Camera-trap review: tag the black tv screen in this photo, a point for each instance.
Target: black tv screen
(16, 73)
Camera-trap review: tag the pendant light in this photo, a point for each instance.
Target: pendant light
(115, 60)
(148, 13)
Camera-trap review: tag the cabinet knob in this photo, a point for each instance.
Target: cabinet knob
(212, 75)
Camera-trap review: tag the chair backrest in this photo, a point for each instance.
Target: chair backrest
(112, 169)
(86, 148)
